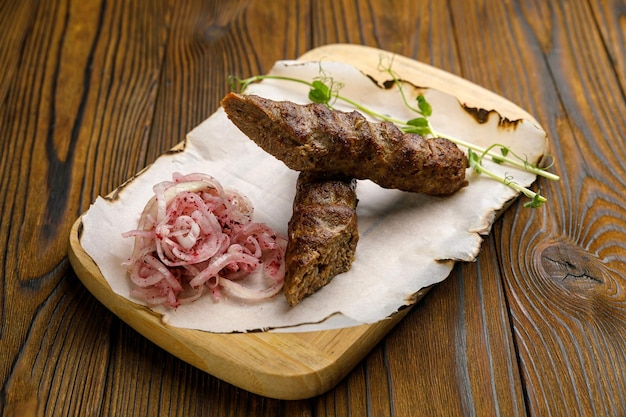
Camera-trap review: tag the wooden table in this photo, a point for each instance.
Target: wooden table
(92, 92)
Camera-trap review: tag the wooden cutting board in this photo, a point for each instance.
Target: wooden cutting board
(282, 365)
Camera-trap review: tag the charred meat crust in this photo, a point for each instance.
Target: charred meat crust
(314, 138)
(322, 233)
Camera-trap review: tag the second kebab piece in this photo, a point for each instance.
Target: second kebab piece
(315, 138)
(322, 233)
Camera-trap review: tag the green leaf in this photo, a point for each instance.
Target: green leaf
(422, 131)
(424, 106)
(497, 160)
(504, 151)
(474, 160)
(418, 125)
(418, 122)
(319, 93)
(536, 202)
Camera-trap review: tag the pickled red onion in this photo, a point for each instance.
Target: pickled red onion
(193, 236)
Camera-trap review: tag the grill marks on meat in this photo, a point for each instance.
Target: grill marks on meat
(315, 138)
(322, 233)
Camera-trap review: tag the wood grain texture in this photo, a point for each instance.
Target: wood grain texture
(470, 349)
(608, 17)
(92, 91)
(55, 94)
(563, 268)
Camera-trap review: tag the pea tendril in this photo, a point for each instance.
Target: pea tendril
(325, 90)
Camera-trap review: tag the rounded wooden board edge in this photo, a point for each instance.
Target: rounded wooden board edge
(279, 365)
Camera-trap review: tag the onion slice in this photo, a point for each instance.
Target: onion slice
(194, 237)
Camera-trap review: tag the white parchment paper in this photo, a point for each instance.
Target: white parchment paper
(407, 241)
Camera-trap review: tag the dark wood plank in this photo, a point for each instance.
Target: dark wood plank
(563, 264)
(17, 15)
(74, 101)
(608, 17)
(35, 160)
(198, 57)
(418, 29)
(454, 354)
